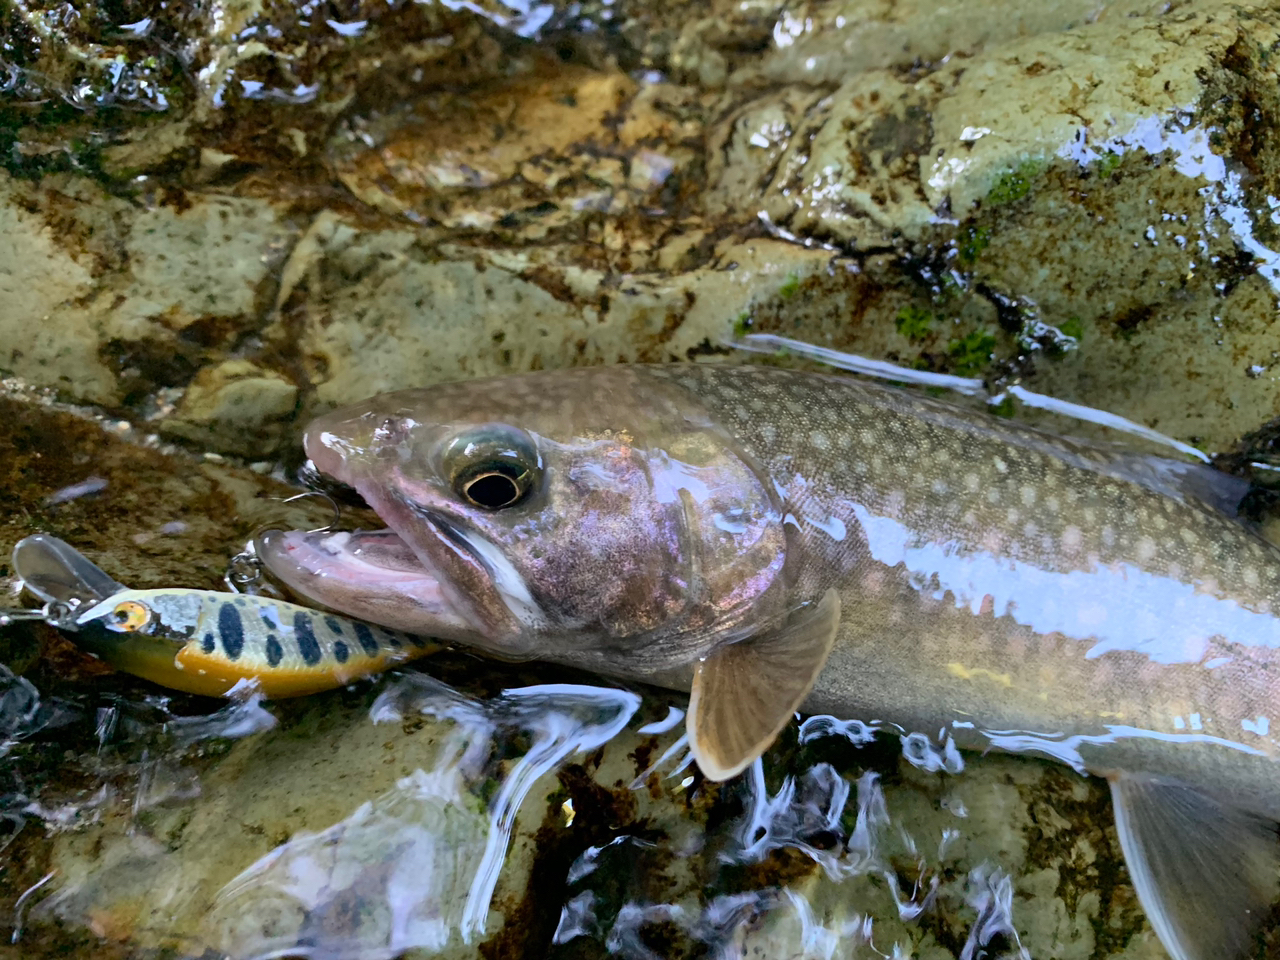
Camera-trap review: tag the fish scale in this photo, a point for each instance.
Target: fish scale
(1035, 582)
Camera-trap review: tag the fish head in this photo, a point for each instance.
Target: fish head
(596, 511)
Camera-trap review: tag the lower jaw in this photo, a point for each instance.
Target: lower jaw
(338, 571)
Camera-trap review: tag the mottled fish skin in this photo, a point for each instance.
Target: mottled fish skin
(1020, 590)
(204, 642)
(760, 536)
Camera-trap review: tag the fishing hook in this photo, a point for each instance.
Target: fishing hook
(245, 568)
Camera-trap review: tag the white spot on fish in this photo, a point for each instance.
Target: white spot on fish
(1000, 465)
(1029, 495)
(819, 440)
(972, 482)
(1072, 539)
(941, 488)
(1260, 726)
(1145, 549)
(1046, 600)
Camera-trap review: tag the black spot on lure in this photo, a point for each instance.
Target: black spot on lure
(204, 641)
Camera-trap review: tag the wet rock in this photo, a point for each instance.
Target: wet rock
(1106, 217)
(1099, 241)
(156, 515)
(1075, 195)
(236, 406)
(381, 310)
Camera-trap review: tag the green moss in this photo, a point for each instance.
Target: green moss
(1107, 164)
(1004, 408)
(790, 286)
(742, 323)
(972, 352)
(914, 322)
(1073, 328)
(973, 242)
(1015, 184)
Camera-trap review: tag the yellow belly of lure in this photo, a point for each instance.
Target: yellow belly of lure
(203, 641)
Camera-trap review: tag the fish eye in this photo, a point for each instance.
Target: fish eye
(130, 616)
(493, 468)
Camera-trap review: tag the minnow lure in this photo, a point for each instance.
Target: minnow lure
(203, 641)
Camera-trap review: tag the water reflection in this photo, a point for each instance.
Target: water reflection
(809, 854)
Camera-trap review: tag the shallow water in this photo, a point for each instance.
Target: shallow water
(218, 220)
(448, 823)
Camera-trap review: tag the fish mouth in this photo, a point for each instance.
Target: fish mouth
(374, 575)
(426, 573)
(371, 575)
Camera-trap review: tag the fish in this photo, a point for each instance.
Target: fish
(775, 540)
(204, 641)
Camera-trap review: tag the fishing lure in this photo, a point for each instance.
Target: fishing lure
(203, 641)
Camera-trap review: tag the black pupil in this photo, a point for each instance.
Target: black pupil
(494, 489)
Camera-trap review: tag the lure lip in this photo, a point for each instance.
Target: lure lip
(58, 573)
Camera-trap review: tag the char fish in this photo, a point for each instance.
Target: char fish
(774, 540)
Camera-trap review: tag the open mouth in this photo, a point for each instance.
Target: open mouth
(368, 574)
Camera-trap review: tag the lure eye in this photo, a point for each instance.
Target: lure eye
(494, 467)
(130, 616)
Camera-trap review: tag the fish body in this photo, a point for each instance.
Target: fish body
(203, 641)
(768, 538)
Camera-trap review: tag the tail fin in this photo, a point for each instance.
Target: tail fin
(1205, 872)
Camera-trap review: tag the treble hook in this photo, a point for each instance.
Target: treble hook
(333, 505)
(245, 568)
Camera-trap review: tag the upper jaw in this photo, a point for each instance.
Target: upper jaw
(370, 575)
(429, 573)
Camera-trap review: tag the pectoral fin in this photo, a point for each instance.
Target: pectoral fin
(1205, 872)
(744, 693)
